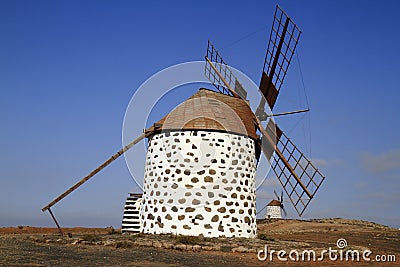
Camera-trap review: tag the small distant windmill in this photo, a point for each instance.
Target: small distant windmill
(213, 196)
(275, 208)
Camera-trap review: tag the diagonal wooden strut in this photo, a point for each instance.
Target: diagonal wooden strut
(265, 134)
(288, 113)
(281, 157)
(54, 219)
(90, 175)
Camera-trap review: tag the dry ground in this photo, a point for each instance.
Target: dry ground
(31, 246)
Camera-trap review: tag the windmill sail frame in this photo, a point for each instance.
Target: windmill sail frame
(297, 175)
(282, 43)
(306, 171)
(220, 75)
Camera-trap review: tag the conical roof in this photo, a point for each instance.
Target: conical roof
(212, 111)
(274, 202)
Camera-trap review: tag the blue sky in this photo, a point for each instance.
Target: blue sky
(68, 70)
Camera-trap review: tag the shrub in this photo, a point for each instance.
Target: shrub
(123, 244)
(91, 238)
(264, 236)
(188, 240)
(112, 231)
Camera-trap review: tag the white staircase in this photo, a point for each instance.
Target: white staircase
(131, 222)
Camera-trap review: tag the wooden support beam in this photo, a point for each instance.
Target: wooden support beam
(288, 113)
(90, 175)
(54, 219)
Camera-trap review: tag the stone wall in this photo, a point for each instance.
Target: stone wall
(200, 183)
(273, 212)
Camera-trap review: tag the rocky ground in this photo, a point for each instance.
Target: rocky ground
(31, 246)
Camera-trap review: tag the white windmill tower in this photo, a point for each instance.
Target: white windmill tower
(275, 208)
(200, 169)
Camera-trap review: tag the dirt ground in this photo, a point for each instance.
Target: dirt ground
(32, 246)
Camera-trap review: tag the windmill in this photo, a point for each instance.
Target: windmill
(275, 208)
(202, 157)
(280, 199)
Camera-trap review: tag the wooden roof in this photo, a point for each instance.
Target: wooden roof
(209, 110)
(274, 202)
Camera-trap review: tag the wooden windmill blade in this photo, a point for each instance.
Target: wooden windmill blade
(282, 43)
(220, 75)
(298, 176)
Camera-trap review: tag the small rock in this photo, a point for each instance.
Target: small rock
(75, 242)
(239, 249)
(196, 247)
(252, 250)
(157, 244)
(212, 248)
(108, 243)
(180, 247)
(207, 248)
(167, 245)
(146, 243)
